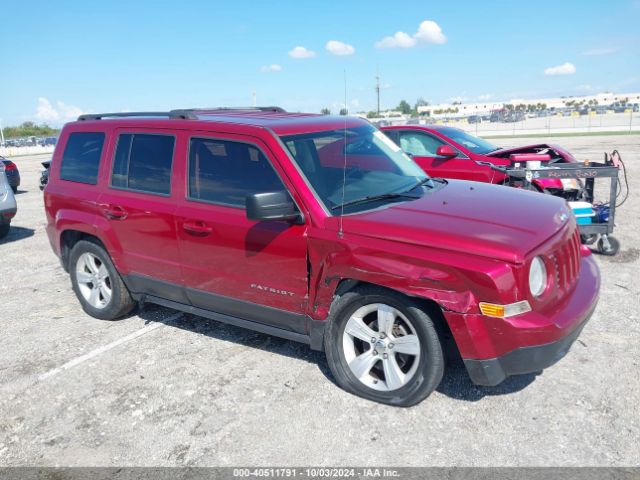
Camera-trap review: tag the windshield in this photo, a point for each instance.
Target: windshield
(475, 144)
(375, 166)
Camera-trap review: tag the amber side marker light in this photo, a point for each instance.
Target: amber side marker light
(504, 311)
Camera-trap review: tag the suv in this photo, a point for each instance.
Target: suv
(7, 203)
(317, 229)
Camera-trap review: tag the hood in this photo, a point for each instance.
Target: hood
(505, 152)
(478, 218)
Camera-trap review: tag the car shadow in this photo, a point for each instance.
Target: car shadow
(20, 192)
(17, 233)
(231, 333)
(456, 384)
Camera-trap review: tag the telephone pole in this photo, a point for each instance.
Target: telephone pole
(378, 92)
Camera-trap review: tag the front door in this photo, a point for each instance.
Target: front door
(422, 147)
(232, 265)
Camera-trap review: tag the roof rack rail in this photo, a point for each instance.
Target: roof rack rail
(241, 109)
(184, 114)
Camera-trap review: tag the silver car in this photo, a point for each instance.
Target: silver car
(8, 206)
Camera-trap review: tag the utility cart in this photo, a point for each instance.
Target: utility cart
(600, 225)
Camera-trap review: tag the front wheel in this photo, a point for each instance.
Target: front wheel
(383, 346)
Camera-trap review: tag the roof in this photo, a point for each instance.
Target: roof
(274, 118)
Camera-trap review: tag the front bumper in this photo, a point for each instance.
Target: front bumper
(521, 360)
(493, 349)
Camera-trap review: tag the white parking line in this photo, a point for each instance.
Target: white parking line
(105, 348)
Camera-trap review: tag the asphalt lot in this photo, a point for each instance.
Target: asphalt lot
(162, 388)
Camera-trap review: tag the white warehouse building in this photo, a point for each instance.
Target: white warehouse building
(485, 108)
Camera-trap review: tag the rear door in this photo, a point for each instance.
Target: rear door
(232, 265)
(140, 206)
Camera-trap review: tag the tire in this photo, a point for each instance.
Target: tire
(4, 229)
(394, 378)
(614, 246)
(97, 283)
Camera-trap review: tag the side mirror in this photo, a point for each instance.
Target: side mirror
(272, 206)
(446, 151)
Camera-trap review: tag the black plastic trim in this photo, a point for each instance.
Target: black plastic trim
(532, 359)
(238, 322)
(273, 321)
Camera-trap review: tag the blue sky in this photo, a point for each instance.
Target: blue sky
(63, 57)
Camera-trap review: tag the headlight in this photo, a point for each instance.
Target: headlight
(537, 277)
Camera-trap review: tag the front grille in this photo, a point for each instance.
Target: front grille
(566, 260)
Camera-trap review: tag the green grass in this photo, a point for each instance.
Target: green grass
(563, 134)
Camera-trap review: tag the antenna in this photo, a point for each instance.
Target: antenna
(344, 166)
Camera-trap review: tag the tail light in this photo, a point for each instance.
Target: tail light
(10, 166)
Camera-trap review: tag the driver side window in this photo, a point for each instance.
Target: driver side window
(419, 144)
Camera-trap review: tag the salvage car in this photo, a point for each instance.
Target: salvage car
(450, 152)
(44, 174)
(317, 229)
(8, 206)
(12, 172)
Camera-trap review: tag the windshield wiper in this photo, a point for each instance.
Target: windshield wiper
(373, 198)
(424, 181)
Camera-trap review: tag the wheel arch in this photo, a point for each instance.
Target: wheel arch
(430, 306)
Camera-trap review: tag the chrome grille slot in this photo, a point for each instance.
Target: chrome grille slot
(566, 260)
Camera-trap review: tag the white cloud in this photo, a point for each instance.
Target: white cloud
(398, 40)
(301, 53)
(600, 51)
(60, 113)
(428, 32)
(339, 48)
(564, 69)
(485, 97)
(585, 88)
(274, 67)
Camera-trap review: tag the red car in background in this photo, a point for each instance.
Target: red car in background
(449, 152)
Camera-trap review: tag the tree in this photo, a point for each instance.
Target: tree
(404, 107)
(29, 129)
(325, 111)
(344, 111)
(372, 114)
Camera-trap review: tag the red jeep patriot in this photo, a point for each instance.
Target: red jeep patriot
(318, 229)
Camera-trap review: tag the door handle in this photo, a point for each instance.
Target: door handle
(197, 228)
(114, 212)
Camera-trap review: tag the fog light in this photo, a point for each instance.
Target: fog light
(504, 311)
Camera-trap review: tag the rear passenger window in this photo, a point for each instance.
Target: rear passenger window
(222, 171)
(81, 157)
(143, 163)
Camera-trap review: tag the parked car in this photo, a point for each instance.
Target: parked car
(44, 175)
(317, 229)
(12, 172)
(8, 206)
(475, 119)
(452, 153)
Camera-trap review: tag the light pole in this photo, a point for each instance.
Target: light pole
(1, 134)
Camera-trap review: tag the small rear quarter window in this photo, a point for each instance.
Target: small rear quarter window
(81, 158)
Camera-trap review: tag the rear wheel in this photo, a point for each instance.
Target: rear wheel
(382, 346)
(96, 282)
